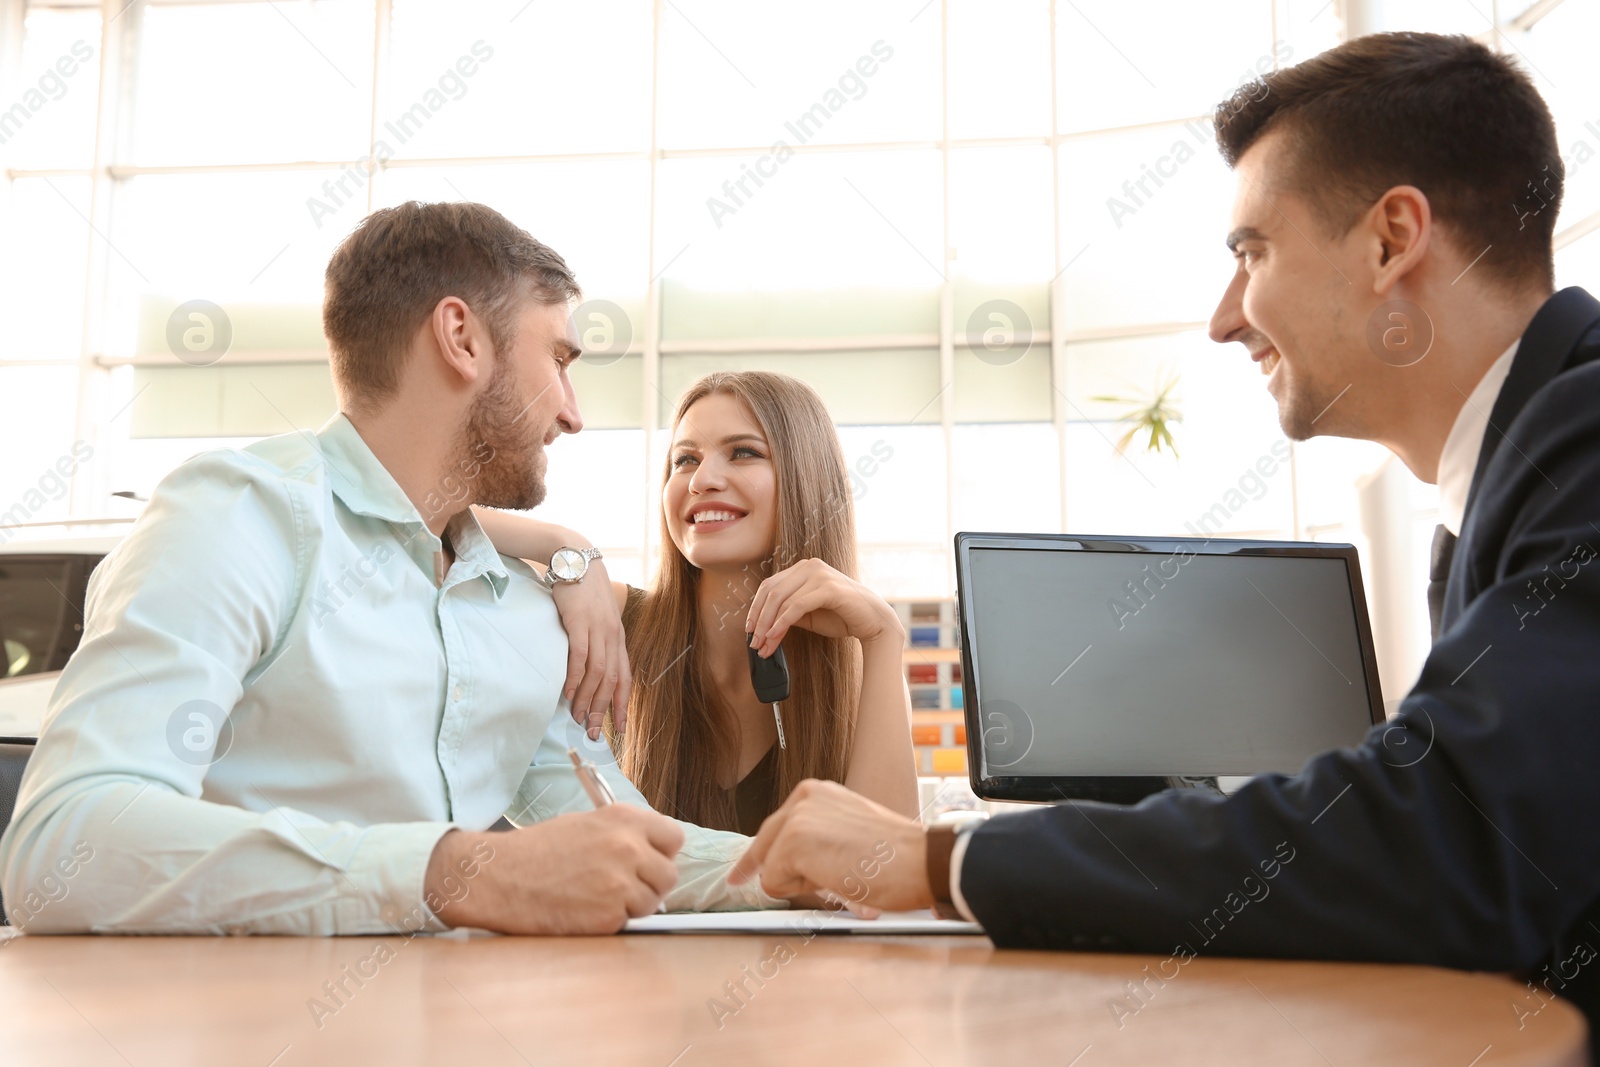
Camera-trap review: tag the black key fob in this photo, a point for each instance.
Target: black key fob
(770, 676)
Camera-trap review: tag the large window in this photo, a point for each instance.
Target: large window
(965, 223)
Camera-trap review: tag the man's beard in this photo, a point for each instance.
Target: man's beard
(498, 451)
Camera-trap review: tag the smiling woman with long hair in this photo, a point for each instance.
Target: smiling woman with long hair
(758, 543)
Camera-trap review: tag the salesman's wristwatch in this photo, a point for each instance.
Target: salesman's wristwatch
(569, 565)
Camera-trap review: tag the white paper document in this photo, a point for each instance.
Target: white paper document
(798, 921)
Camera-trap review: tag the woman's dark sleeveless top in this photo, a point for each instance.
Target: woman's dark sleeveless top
(755, 796)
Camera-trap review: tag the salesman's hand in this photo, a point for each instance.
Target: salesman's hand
(598, 672)
(828, 838)
(582, 873)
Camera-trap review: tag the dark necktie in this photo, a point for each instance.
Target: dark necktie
(1444, 550)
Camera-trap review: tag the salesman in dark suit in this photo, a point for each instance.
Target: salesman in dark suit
(1392, 230)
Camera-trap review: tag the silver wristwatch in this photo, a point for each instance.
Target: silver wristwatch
(569, 565)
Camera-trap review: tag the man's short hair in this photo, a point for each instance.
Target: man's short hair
(1445, 114)
(385, 279)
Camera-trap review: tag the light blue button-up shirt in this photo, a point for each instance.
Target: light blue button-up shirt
(276, 712)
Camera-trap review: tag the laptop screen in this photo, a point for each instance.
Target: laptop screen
(1093, 657)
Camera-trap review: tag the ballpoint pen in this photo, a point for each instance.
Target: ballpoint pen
(600, 794)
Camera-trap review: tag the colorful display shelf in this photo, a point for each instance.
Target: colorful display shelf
(932, 661)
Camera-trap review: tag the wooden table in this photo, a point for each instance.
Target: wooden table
(664, 1001)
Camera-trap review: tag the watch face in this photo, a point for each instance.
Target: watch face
(568, 565)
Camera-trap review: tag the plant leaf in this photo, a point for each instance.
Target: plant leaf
(1153, 417)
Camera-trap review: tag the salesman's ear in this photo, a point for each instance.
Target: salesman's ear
(461, 338)
(1398, 231)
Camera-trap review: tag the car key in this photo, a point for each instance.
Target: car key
(770, 678)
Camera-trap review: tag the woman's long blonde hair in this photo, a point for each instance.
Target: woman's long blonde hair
(679, 729)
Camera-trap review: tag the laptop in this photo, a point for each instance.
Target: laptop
(1110, 668)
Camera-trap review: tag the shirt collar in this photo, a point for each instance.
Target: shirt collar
(1459, 460)
(359, 479)
(365, 486)
(475, 554)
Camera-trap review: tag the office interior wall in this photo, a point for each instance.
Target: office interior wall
(954, 256)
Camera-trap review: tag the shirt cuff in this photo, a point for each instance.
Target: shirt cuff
(388, 870)
(947, 848)
(957, 855)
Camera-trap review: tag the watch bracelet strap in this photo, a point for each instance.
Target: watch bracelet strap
(940, 843)
(589, 556)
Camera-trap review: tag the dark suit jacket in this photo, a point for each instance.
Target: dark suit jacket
(1465, 832)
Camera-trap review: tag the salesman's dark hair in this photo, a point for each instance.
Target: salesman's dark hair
(1445, 114)
(385, 279)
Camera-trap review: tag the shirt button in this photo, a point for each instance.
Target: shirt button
(457, 694)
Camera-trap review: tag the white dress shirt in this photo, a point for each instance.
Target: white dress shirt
(276, 712)
(1459, 460)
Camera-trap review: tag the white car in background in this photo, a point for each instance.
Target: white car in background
(42, 585)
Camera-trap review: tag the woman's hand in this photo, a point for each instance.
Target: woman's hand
(816, 597)
(598, 672)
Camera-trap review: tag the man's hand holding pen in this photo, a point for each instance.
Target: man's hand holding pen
(581, 873)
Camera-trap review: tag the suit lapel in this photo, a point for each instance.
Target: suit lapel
(1549, 345)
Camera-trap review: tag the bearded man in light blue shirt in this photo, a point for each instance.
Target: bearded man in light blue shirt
(308, 684)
